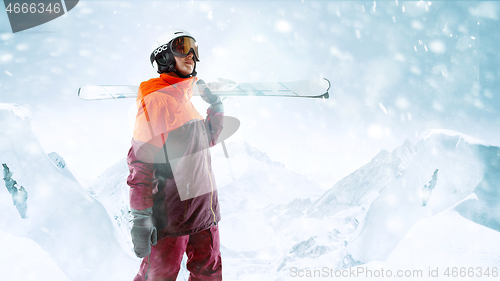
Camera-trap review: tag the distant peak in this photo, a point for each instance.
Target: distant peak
(16, 109)
(432, 132)
(243, 147)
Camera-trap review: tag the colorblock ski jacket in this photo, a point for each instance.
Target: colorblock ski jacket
(169, 161)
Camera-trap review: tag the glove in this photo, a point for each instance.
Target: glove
(207, 96)
(143, 232)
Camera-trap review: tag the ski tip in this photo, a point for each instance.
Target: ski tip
(329, 85)
(326, 95)
(81, 94)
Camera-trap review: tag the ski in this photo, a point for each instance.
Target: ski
(314, 88)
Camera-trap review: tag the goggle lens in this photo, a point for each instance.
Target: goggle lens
(183, 45)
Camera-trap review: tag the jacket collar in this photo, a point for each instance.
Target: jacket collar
(168, 84)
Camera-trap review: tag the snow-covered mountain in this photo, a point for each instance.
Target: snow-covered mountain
(366, 183)
(62, 218)
(257, 196)
(446, 243)
(248, 182)
(385, 224)
(460, 170)
(112, 190)
(274, 220)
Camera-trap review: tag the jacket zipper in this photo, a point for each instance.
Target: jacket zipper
(209, 177)
(206, 165)
(211, 188)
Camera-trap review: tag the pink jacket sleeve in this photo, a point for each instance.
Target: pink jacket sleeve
(214, 124)
(140, 162)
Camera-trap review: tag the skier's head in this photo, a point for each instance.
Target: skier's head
(175, 51)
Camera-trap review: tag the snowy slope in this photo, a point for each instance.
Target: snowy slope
(26, 261)
(258, 181)
(399, 207)
(446, 245)
(453, 241)
(112, 190)
(62, 218)
(251, 188)
(385, 228)
(366, 183)
(58, 160)
(334, 219)
(273, 219)
(486, 209)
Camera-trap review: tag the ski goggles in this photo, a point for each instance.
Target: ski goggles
(182, 46)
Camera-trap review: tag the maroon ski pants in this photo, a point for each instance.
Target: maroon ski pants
(203, 252)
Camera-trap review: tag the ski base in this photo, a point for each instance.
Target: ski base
(315, 88)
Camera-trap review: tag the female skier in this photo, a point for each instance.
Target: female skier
(173, 196)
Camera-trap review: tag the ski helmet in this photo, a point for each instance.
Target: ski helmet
(173, 42)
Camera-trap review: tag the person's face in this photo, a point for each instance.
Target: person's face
(185, 65)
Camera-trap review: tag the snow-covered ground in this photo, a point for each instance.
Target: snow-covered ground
(23, 259)
(443, 247)
(64, 220)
